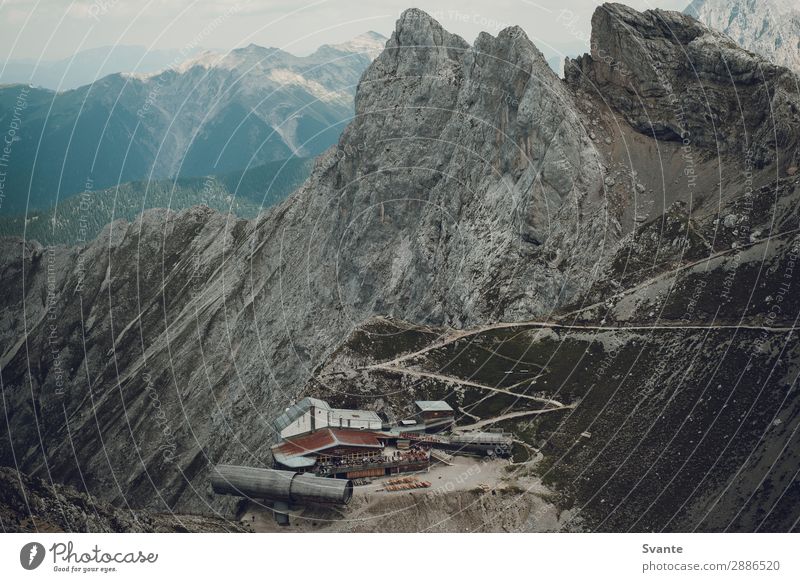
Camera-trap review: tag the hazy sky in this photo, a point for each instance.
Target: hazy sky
(53, 29)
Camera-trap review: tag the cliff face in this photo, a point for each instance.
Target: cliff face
(472, 187)
(33, 505)
(675, 79)
(475, 170)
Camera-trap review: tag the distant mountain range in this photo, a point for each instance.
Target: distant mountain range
(213, 114)
(770, 28)
(90, 65)
(80, 218)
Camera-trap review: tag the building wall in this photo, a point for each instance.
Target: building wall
(320, 418)
(437, 417)
(313, 419)
(301, 425)
(380, 471)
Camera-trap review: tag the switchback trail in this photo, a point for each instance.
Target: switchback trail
(451, 379)
(458, 335)
(509, 416)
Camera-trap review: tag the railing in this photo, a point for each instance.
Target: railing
(421, 437)
(388, 463)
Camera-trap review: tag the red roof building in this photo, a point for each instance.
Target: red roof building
(302, 451)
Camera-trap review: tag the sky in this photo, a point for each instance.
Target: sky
(56, 29)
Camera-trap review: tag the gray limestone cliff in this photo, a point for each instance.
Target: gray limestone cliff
(675, 79)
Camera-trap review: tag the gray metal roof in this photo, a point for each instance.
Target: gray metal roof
(357, 414)
(297, 410)
(433, 406)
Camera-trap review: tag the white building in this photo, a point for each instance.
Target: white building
(312, 414)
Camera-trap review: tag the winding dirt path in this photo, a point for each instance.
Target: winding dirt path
(510, 415)
(452, 380)
(558, 326)
(456, 335)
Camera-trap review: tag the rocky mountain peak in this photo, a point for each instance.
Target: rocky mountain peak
(370, 43)
(456, 135)
(675, 79)
(416, 27)
(419, 43)
(512, 45)
(612, 20)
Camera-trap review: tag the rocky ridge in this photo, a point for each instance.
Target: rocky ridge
(30, 504)
(673, 78)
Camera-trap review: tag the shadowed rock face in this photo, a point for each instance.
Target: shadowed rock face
(674, 79)
(32, 505)
(472, 187)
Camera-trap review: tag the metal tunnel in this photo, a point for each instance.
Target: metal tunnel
(280, 485)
